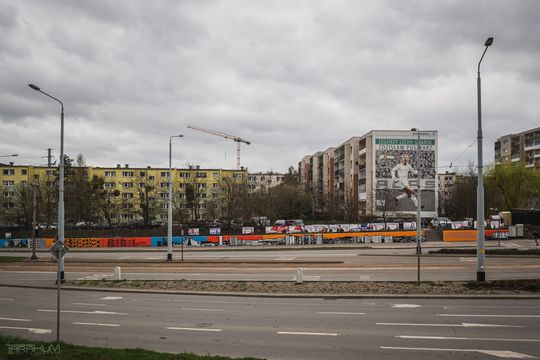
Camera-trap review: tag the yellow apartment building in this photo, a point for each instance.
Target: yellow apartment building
(130, 187)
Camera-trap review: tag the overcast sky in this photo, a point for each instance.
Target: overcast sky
(292, 77)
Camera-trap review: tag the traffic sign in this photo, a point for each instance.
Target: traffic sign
(59, 248)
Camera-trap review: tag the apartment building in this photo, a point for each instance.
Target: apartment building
(129, 187)
(447, 181)
(523, 147)
(264, 181)
(366, 175)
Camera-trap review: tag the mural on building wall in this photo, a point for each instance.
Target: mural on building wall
(395, 178)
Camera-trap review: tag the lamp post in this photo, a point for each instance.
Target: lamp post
(60, 230)
(169, 218)
(480, 251)
(418, 208)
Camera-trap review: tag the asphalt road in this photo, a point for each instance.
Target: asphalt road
(275, 328)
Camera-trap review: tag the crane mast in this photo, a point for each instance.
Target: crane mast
(236, 139)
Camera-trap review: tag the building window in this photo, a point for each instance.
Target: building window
(164, 206)
(215, 185)
(128, 206)
(127, 195)
(127, 217)
(182, 186)
(24, 172)
(110, 173)
(151, 177)
(36, 177)
(142, 174)
(164, 174)
(164, 195)
(24, 183)
(127, 185)
(9, 205)
(9, 194)
(49, 172)
(200, 175)
(201, 186)
(184, 175)
(164, 185)
(8, 183)
(110, 185)
(9, 172)
(127, 173)
(216, 175)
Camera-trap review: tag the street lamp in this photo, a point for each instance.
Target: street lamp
(169, 218)
(418, 207)
(61, 183)
(11, 155)
(480, 251)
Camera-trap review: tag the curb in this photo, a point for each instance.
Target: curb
(284, 296)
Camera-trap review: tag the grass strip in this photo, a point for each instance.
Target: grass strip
(507, 251)
(8, 259)
(16, 348)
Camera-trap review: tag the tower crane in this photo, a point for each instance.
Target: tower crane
(236, 139)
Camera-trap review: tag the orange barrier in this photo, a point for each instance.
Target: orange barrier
(469, 235)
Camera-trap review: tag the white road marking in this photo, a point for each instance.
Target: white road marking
(450, 325)
(95, 324)
(192, 329)
(111, 298)
(89, 304)
(340, 313)
(463, 338)
(470, 259)
(512, 245)
(306, 333)
(31, 330)
(364, 277)
(496, 353)
(95, 312)
(484, 315)
(286, 258)
(6, 299)
(14, 319)
(406, 306)
(199, 309)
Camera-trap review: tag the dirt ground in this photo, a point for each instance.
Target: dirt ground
(510, 287)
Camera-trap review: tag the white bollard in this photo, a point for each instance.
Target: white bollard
(300, 276)
(117, 273)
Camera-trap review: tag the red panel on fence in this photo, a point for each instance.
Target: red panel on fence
(213, 239)
(250, 237)
(125, 242)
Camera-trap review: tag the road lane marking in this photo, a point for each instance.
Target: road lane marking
(463, 338)
(200, 309)
(95, 324)
(95, 312)
(471, 259)
(340, 313)
(496, 353)
(406, 306)
(111, 298)
(306, 333)
(6, 299)
(31, 330)
(88, 304)
(484, 315)
(450, 325)
(193, 329)
(14, 319)
(285, 258)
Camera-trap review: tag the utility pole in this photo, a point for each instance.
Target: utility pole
(34, 224)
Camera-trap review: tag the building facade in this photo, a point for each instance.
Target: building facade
(523, 147)
(264, 181)
(376, 174)
(133, 192)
